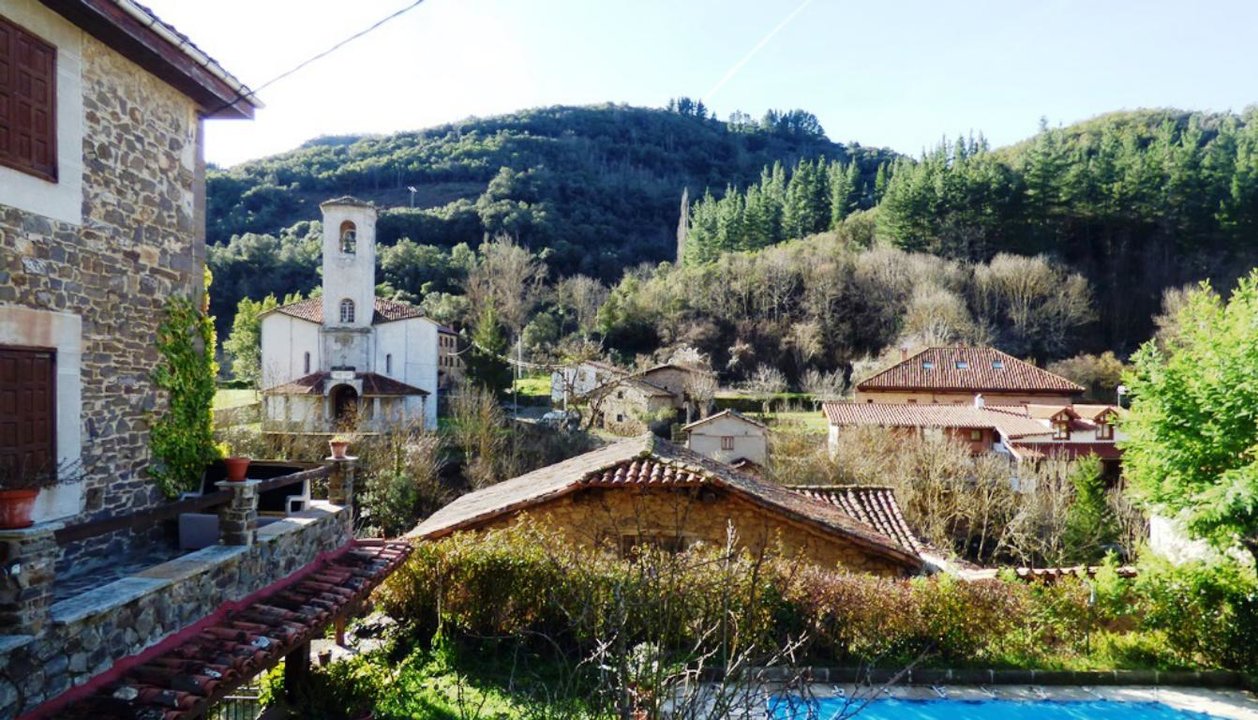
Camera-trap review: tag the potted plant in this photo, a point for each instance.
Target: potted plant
(338, 445)
(20, 483)
(236, 462)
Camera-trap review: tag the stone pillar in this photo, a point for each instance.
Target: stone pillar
(238, 519)
(28, 562)
(341, 481)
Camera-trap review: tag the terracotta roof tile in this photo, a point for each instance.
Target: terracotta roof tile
(872, 505)
(1011, 422)
(373, 384)
(184, 675)
(385, 311)
(970, 370)
(651, 460)
(1067, 450)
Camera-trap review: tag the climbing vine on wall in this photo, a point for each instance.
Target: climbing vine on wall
(182, 438)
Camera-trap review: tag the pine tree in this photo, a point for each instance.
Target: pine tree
(486, 364)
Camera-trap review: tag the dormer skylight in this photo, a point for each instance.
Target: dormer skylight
(998, 364)
(962, 365)
(928, 365)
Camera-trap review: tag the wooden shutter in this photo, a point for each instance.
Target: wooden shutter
(28, 98)
(28, 411)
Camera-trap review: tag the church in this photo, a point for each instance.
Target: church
(347, 360)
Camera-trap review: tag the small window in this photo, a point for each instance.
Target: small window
(388, 364)
(976, 435)
(962, 365)
(307, 365)
(620, 417)
(928, 365)
(620, 395)
(1061, 431)
(1104, 431)
(347, 311)
(349, 238)
(727, 442)
(998, 364)
(28, 92)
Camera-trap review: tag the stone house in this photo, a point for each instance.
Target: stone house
(646, 490)
(954, 375)
(102, 220)
(730, 437)
(629, 406)
(450, 367)
(348, 358)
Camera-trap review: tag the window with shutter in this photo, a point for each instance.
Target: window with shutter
(28, 75)
(28, 412)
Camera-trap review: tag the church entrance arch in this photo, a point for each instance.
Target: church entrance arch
(345, 406)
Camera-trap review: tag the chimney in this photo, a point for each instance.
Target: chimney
(979, 401)
(904, 353)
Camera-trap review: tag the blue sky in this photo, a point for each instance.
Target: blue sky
(899, 74)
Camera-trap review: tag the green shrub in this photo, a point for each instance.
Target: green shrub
(1209, 612)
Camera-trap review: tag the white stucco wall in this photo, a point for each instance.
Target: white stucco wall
(413, 344)
(349, 275)
(750, 441)
(61, 200)
(285, 342)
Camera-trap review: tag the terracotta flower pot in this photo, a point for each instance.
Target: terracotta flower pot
(237, 468)
(338, 448)
(16, 507)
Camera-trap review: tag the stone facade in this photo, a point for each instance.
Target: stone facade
(611, 517)
(87, 633)
(138, 242)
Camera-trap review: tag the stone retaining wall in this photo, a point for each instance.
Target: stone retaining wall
(88, 633)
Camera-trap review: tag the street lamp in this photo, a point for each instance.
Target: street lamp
(413, 190)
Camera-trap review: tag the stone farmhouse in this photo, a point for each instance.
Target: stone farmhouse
(568, 384)
(102, 224)
(628, 403)
(348, 360)
(730, 437)
(102, 219)
(954, 375)
(646, 490)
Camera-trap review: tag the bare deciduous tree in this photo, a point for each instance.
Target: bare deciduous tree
(508, 277)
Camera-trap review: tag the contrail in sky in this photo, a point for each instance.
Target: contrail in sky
(729, 75)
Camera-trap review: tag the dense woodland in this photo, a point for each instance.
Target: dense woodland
(795, 252)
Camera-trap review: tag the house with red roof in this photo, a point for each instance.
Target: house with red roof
(954, 375)
(648, 491)
(348, 360)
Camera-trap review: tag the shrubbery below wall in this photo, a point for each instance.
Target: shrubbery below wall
(526, 583)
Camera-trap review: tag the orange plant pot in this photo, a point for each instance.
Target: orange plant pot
(237, 467)
(16, 507)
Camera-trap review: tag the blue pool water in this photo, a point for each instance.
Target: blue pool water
(890, 709)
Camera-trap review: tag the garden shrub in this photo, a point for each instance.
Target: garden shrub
(1209, 612)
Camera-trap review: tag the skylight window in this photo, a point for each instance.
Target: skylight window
(998, 364)
(963, 365)
(928, 365)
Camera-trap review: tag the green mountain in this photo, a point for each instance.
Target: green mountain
(599, 187)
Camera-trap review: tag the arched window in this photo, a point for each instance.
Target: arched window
(349, 237)
(347, 311)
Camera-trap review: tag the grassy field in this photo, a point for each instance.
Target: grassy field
(535, 385)
(806, 420)
(229, 398)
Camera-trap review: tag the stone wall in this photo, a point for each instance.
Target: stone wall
(607, 516)
(89, 632)
(138, 242)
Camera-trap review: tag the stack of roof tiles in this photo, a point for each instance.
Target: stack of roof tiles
(184, 675)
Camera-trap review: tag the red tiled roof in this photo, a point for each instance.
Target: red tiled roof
(373, 384)
(985, 370)
(872, 505)
(648, 460)
(385, 311)
(185, 674)
(1010, 422)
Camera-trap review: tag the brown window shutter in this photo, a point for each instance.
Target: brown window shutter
(28, 411)
(28, 98)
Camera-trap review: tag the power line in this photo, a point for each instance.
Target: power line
(315, 58)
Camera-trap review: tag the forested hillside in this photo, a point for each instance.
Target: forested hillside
(1059, 244)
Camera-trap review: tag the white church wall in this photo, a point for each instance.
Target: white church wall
(285, 342)
(413, 345)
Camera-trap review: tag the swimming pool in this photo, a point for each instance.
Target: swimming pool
(782, 708)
